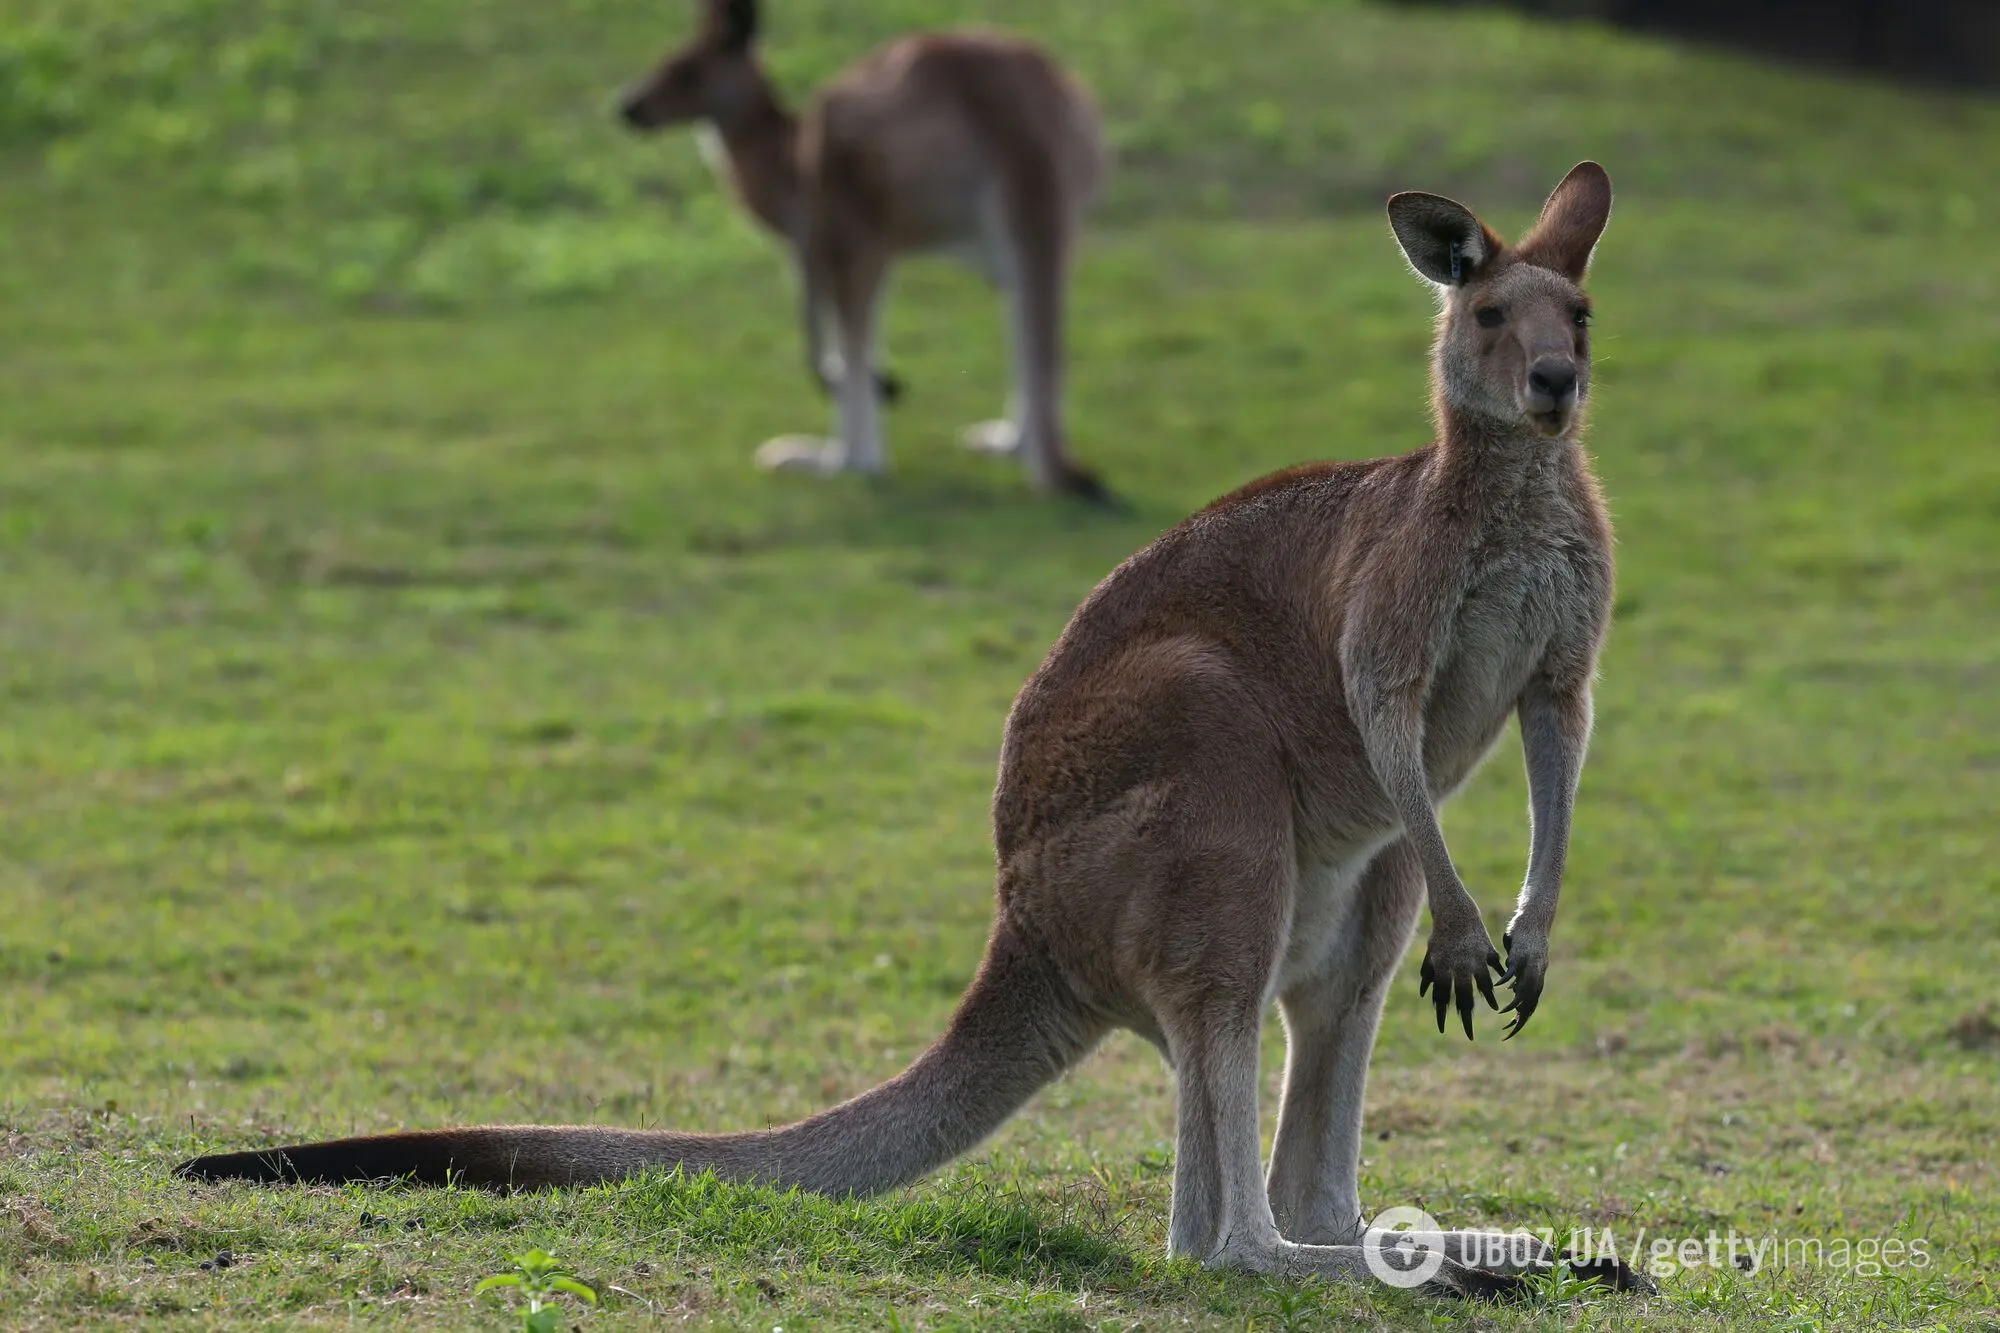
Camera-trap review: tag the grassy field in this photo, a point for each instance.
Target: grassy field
(417, 709)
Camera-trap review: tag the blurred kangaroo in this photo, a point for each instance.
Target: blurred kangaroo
(968, 142)
(1221, 789)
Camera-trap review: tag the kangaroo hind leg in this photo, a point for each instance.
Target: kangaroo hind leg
(992, 257)
(1330, 1021)
(1221, 1211)
(854, 279)
(1037, 234)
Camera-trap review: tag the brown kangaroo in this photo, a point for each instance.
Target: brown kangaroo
(1221, 789)
(968, 142)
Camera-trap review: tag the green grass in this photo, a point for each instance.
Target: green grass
(417, 709)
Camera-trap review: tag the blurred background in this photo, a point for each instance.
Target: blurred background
(1944, 41)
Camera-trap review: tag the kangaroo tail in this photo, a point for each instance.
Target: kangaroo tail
(1017, 1028)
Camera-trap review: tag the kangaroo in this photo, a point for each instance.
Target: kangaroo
(1221, 789)
(969, 142)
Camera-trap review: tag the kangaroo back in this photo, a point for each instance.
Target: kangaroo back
(1017, 1028)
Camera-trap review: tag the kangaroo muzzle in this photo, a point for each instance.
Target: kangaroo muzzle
(636, 115)
(1550, 394)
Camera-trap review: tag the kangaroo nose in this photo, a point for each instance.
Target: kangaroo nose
(1555, 379)
(632, 113)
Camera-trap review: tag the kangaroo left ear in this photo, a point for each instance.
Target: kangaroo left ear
(737, 24)
(1565, 236)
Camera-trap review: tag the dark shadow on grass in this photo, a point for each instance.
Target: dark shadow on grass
(939, 515)
(984, 1230)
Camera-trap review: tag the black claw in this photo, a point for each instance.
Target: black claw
(889, 385)
(1612, 1273)
(1478, 1284)
(1486, 990)
(1465, 1008)
(1425, 977)
(1524, 1004)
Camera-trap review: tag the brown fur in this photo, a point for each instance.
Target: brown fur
(969, 142)
(1220, 790)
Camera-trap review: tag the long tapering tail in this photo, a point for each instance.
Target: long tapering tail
(1018, 1026)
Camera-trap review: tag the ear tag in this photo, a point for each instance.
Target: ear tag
(1457, 263)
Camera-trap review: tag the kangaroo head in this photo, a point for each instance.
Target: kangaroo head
(714, 77)
(1513, 342)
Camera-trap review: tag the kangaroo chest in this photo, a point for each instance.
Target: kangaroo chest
(1517, 605)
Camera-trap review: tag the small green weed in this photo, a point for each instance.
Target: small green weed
(539, 1276)
(1559, 1284)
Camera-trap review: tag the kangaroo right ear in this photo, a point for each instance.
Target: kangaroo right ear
(735, 23)
(1440, 237)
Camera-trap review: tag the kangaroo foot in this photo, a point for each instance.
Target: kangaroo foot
(807, 453)
(1001, 438)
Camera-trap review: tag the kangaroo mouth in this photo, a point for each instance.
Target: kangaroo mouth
(1550, 414)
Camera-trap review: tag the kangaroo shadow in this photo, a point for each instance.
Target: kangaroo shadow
(993, 1232)
(938, 521)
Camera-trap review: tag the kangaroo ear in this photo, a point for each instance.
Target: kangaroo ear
(735, 23)
(1572, 220)
(1441, 238)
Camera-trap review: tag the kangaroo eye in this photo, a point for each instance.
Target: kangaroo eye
(1490, 316)
(1583, 319)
